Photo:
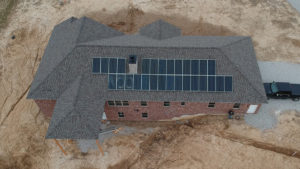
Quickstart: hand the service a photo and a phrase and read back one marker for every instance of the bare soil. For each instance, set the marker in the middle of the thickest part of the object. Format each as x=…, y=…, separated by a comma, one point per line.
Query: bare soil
x=204, y=142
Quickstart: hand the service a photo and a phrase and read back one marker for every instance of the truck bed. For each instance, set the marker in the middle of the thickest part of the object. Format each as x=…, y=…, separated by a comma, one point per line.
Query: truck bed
x=295, y=89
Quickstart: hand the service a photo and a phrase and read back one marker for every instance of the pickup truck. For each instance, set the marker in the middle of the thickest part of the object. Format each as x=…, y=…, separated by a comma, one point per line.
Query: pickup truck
x=282, y=90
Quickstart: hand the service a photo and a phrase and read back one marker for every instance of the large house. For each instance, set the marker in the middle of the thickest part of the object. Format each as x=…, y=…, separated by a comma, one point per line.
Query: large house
x=90, y=72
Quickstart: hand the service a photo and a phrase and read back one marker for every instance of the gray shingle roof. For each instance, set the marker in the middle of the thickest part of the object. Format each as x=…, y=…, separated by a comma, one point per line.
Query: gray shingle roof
x=65, y=73
x=160, y=30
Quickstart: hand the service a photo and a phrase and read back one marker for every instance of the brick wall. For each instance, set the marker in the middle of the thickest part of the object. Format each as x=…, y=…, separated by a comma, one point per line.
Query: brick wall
x=157, y=110
x=46, y=106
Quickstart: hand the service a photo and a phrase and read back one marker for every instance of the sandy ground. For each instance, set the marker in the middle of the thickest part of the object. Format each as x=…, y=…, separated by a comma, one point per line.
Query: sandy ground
x=212, y=142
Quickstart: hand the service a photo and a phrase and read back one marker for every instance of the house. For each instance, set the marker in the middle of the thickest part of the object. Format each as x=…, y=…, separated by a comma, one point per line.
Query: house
x=89, y=68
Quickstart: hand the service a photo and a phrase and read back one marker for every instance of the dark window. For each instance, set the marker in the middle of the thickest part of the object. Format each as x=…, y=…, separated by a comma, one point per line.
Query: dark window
x=211, y=67
x=153, y=82
x=220, y=83
x=211, y=104
x=186, y=67
x=178, y=82
x=203, y=67
x=112, y=82
x=195, y=83
x=154, y=66
x=112, y=65
x=162, y=82
x=120, y=81
x=144, y=115
x=96, y=65
x=170, y=83
x=182, y=103
x=104, y=65
x=121, y=114
x=203, y=83
x=178, y=66
x=125, y=103
x=186, y=83
x=162, y=67
x=195, y=67
x=211, y=83
x=145, y=82
x=111, y=103
x=170, y=66
x=129, y=82
x=137, y=82
x=166, y=103
x=121, y=66
x=228, y=83
x=118, y=103
x=145, y=66
x=236, y=105
x=143, y=103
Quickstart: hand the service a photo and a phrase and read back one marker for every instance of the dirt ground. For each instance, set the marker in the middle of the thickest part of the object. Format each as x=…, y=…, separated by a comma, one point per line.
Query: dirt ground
x=206, y=142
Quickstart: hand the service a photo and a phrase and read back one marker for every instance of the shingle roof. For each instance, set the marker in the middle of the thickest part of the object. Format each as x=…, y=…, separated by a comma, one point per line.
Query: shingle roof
x=65, y=73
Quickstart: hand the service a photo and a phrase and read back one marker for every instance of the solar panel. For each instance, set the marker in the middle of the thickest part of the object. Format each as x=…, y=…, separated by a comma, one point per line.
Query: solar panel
x=178, y=82
x=112, y=65
x=228, y=83
x=146, y=66
x=178, y=66
x=145, y=82
x=162, y=82
x=186, y=67
x=162, y=67
x=170, y=66
x=96, y=65
x=112, y=81
x=195, y=67
x=211, y=83
x=203, y=67
x=154, y=66
x=120, y=81
x=153, y=82
x=129, y=82
x=170, y=83
x=137, y=82
x=211, y=67
x=186, y=83
x=220, y=83
x=104, y=65
x=203, y=83
x=194, y=83
x=121, y=65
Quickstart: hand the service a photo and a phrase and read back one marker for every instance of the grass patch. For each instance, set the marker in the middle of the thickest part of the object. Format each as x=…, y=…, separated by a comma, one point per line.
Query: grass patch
x=6, y=7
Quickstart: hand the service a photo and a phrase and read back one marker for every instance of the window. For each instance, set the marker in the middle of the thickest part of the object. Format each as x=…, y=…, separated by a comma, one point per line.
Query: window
x=144, y=115
x=166, y=103
x=121, y=114
x=211, y=104
x=118, y=103
x=111, y=103
x=236, y=105
x=125, y=103
x=143, y=103
x=182, y=103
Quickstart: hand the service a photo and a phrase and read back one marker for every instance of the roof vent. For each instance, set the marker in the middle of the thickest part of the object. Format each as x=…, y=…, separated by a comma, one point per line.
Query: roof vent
x=132, y=64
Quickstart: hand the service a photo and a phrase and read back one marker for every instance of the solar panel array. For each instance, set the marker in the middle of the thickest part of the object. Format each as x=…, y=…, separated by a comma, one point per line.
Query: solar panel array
x=164, y=75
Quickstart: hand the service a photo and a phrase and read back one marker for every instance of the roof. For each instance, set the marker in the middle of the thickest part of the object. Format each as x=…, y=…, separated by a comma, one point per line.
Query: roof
x=65, y=73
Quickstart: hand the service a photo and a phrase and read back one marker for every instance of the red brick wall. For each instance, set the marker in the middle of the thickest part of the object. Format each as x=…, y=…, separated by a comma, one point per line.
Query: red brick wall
x=46, y=106
x=157, y=110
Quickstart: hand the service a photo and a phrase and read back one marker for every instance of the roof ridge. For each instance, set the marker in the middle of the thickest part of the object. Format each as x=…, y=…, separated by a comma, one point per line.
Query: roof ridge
x=244, y=38
x=239, y=71
x=54, y=70
x=80, y=29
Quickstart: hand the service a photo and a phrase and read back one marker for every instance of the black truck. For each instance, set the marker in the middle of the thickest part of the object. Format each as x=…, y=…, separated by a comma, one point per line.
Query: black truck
x=282, y=90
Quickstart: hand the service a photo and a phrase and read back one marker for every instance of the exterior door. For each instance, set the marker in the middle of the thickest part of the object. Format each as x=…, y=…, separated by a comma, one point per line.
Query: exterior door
x=252, y=108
